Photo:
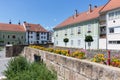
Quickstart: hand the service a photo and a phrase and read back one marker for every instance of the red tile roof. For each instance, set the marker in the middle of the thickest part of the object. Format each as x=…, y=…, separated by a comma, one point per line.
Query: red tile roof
x=85, y=16
x=11, y=27
x=112, y=4
x=35, y=27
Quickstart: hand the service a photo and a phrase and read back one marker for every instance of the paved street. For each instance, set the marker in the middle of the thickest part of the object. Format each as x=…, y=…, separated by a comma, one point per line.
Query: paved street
x=3, y=61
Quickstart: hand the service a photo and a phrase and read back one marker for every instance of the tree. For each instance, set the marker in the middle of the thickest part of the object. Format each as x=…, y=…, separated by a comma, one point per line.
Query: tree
x=89, y=39
x=65, y=40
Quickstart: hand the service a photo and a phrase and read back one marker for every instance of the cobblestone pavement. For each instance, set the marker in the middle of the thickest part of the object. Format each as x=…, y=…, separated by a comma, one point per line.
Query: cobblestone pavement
x=3, y=64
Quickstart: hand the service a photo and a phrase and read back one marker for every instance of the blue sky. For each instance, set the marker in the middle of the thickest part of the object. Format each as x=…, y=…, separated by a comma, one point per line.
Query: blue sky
x=48, y=13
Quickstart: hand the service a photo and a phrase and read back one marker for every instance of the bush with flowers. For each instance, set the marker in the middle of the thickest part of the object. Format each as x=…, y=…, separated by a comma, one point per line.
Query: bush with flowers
x=115, y=61
x=78, y=54
x=99, y=58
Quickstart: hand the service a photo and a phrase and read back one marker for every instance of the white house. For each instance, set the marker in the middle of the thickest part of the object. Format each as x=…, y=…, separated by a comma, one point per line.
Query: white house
x=112, y=11
x=35, y=33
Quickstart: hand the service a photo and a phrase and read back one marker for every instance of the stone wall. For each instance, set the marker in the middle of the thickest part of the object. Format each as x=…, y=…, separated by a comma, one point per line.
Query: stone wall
x=14, y=50
x=74, y=69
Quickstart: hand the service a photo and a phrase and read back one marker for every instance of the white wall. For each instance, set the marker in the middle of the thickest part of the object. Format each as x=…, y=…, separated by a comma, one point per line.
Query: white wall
x=102, y=43
x=113, y=23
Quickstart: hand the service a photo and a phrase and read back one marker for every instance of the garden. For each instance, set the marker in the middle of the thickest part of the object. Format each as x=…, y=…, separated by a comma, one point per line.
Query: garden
x=101, y=58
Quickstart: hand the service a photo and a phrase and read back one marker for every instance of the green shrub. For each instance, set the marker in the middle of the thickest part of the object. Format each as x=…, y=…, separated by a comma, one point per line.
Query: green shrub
x=20, y=69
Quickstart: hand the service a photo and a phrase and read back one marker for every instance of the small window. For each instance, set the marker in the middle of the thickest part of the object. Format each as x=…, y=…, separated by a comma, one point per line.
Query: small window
x=118, y=42
x=111, y=30
x=89, y=28
x=79, y=42
x=65, y=32
x=3, y=36
x=44, y=37
x=41, y=37
x=71, y=42
x=8, y=36
x=111, y=16
x=13, y=36
x=21, y=37
x=79, y=30
x=71, y=31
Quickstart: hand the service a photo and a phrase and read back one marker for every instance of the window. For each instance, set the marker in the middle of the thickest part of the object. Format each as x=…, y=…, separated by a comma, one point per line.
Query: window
x=79, y=42
x=8, y=36
x=56, y=34
x=44, y=37
x=117, y=30
x=71, y=31
x=31, y=36
x=71, y=42
x=65, y=32
x=114, y=42
x=117, y=14
x=3, y=36
x=111, y=30
x=79, y=30
x=41, y=37
x=13, y=36
x=21, y=37
x=89, y=28
x=111, y=16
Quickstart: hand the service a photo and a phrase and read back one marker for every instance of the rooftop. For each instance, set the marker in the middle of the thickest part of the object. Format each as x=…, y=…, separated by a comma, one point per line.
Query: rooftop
x=81, y=17
x=11, y=27
x=35, y=27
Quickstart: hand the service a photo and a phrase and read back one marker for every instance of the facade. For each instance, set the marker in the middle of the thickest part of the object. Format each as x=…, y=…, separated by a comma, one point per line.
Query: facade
x=76, y=27
x=112, y=14
x=35, y=33
x=102, y=23
x=12, y=34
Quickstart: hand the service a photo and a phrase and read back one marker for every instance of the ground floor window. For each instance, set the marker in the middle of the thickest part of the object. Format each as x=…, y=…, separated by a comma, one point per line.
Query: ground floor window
x=114, y=42
x=71, y=42
x=79, y=41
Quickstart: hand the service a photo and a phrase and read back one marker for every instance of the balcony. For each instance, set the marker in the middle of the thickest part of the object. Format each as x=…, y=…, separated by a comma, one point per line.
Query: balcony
x=103, y=32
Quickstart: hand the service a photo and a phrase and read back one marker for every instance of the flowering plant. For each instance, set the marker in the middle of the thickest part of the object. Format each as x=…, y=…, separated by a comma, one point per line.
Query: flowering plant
x=99, y=58
x=78, y=54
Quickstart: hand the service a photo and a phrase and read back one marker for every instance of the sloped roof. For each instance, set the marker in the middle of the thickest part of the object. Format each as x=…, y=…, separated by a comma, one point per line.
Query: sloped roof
x=85, y=16
x=112, y=4
x=11, y=27
x=35, y=27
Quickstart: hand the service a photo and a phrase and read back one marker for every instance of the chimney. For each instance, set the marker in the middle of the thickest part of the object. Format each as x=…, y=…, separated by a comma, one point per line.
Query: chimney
x=10, y=22
x=95, y=6
x=76, y=13
x=19, y=22
x=90, y=8
x=24, y=21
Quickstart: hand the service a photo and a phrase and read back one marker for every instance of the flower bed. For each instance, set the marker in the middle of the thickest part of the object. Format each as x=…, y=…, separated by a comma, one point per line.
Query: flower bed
x=81, y=54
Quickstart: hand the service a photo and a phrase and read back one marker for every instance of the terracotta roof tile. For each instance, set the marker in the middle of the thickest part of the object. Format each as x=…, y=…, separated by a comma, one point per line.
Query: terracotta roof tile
x=81, y=17
x=112, y=4
x=11, y=27
x=35, y=27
